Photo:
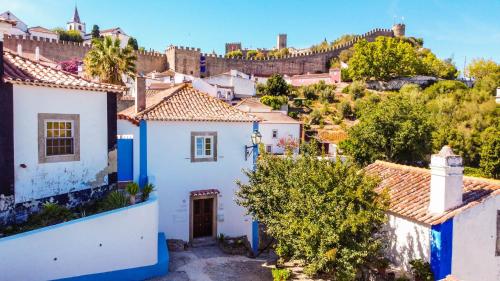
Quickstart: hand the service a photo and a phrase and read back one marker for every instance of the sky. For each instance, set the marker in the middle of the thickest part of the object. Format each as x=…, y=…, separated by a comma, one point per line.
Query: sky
x=459, y=29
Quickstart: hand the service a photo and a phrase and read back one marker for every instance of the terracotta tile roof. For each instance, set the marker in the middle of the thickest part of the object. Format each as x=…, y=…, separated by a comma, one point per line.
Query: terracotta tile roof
x=13, y=22
x=20, y=70
x=274, y=117
x=329, y=136
x=253, y=105
x=184, y=103
x=409, y=189
x=159, y=86
x=204, y=192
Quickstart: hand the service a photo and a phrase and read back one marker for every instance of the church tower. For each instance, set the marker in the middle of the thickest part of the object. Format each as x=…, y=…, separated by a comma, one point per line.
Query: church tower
x=76, y=24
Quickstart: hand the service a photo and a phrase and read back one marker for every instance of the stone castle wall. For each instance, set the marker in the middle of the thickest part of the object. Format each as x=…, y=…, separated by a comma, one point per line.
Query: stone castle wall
x=60, y=51
x=191, y=61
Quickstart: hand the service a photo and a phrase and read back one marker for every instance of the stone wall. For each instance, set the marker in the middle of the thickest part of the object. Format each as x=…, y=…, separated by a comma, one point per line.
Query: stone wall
x=60, y=51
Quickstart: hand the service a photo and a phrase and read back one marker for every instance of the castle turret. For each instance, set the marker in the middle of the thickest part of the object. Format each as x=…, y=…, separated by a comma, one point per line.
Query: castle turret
x=281, y=44
x=399, y=30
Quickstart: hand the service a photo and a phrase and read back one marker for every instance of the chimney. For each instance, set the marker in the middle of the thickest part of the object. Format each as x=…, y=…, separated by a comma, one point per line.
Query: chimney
x=446, y=181
x=140, y=93
x=37, y=53
x=20, y=49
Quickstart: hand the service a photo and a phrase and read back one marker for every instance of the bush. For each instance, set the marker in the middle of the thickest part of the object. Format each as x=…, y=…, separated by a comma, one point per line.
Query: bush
x=115, y=200
x=293, y=114
x=281, y=274
x=146, y=191
x=315, y=117
x=346, y=110
x=51, y=213
x=444, y=87
x=421, y=270
x=344, y=75
x=357, y=89
x=274, y=101
x=69, y=35
x=410, y=89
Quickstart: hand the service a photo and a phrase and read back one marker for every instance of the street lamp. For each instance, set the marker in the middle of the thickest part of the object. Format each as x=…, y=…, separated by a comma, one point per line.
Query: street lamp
x=256, y=139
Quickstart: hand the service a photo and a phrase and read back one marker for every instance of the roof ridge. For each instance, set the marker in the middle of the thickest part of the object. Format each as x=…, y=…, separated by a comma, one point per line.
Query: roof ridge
x=153, y=106
x=424, y=170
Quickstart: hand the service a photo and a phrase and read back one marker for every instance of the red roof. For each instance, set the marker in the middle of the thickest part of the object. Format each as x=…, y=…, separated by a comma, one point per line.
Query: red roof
x=409, y=191
x=20, y=70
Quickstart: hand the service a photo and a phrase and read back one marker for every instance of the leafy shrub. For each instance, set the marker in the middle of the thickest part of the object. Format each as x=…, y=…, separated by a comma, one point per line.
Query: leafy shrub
x=444, y=87
x=115, y=200
x=274, y=101
x=69, y=35
x=315, y=117
x=344, y=75
x=51, y=213
x=346, y=109
x=410, y=88
x=234, y=54
x=281, y=274
x=490, y=153
x=146, y=191
x=293, y=114
x=421, y=270
x=357, y=89
x=132, y=188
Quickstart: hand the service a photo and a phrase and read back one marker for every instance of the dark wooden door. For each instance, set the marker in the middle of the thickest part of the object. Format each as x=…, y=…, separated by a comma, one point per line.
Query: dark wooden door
x=202, y=217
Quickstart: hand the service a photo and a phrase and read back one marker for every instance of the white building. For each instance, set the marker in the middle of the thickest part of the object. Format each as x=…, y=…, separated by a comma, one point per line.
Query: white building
x=57, y=137
x=223, y=93
x=192, y=147
x=278, y=130
x=439, y=215
x=116, y=33
x=242, y=85
x=42, y=32
x=18, y=28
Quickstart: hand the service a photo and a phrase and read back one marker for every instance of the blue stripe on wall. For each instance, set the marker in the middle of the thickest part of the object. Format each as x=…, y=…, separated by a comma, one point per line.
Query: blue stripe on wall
x=143, y=152
x=125, y=160
x=441, y=249
x=255, y=224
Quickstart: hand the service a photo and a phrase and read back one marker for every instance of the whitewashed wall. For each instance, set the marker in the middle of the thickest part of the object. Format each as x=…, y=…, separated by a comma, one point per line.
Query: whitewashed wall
x=127, y=128
x=408, y=240
x=203, y=86
x=45, y=35
x=170, y=168
x=118, y=239
x=242, y=87
x=284, y=130
x=474, y=243
x=49, y=179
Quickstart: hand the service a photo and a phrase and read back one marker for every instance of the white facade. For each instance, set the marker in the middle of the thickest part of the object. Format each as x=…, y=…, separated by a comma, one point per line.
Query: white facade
x=20, y=27
x=117, y=33
x=226, y=94
x=51, y=36
x=115, y=240
x=475, y=234
x=40, y=180
x=170, y=169
x=243, y=87
x=273, y=132
x=408, y=240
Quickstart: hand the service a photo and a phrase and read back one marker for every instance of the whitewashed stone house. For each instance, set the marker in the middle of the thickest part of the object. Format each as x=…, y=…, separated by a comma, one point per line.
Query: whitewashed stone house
x=57, y=137
x=240, y=83
x=193, y=148
x=439, y=215
x=275, y=126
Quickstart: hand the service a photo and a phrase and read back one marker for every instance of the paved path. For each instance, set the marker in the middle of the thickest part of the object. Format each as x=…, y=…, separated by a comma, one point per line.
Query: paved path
x=211, y=264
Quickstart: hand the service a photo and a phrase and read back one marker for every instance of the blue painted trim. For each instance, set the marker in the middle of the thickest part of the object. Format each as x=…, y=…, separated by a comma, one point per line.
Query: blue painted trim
x=125, y=159
x=441, y=249
x=152, y=198
x=143, y=154
x=133, y=274
x=255, y=224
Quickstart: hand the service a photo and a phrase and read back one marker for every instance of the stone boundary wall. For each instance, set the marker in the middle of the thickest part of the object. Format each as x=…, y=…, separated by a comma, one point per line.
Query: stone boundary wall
x=58, y=51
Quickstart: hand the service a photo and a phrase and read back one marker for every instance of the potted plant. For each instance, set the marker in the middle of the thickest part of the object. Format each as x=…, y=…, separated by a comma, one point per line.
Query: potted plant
x=146, y=191
x=132, y=189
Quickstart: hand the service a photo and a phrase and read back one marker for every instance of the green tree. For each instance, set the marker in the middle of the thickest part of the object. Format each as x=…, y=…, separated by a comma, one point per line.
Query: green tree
x=96, y=33
x=109, y=62
x=396, y=129
x=69, y=35
x=490, y=153
x=432, y=66
x=274, y=101
x=132, y=42
x=277, y=86
x=383, y=59
x=234, y=54
x=480, y=68
x=324, y=213
x=251, y=53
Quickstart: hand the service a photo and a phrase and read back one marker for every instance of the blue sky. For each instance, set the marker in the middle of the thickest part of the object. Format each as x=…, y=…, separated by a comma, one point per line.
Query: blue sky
x=453, y=28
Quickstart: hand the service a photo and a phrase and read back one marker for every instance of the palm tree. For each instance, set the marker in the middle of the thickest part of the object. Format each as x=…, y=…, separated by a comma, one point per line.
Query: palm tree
x=108, y=61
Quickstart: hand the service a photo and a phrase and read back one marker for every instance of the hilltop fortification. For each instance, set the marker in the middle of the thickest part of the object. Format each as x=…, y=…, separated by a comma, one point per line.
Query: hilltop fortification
x=192, y=61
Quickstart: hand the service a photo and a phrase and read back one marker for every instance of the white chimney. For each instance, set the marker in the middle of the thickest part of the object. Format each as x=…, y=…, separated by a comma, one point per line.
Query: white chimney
x=37, y=53
x=140, y=93
x=446, y=181
x=20, y=49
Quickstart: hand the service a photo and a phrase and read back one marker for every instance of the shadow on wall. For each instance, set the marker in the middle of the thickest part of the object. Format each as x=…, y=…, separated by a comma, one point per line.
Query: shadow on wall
x=402, y=246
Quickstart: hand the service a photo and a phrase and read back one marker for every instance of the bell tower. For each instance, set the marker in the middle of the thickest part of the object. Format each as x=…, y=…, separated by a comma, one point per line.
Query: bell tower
x=76, y=24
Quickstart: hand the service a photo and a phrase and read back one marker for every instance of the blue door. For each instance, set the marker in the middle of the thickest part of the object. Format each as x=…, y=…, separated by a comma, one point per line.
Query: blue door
x=125, y=160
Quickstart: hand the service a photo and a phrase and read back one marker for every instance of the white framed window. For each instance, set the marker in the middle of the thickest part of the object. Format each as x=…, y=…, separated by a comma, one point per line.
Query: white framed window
x=275, y=134
x=58, y=137
x=203, y=146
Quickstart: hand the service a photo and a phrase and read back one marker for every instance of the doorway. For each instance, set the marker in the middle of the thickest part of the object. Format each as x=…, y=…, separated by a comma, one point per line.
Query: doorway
x=203, y=217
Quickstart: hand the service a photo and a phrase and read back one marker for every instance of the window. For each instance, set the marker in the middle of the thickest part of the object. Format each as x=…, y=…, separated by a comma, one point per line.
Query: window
x=58, y=137
x=269, y=148
x=203, y=146
x=275, y=134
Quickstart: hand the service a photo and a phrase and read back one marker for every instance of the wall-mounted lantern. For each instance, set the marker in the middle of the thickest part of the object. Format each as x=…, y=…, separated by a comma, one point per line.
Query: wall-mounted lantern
x=256, y=139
